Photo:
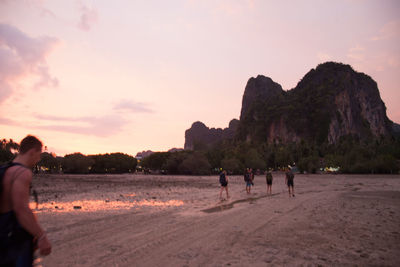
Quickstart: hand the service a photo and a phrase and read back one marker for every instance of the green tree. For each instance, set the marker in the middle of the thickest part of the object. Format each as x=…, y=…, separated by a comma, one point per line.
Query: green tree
x=195, y=164
x=385, y=164
x=113, y=163
x=156, y=160
x=232, y=165
x=309, y=164
x=283, y=156
x=254, y=160
x=174, y=161
x=77, y=163
x=49, y=163
x=215, y=156
x=8, y=150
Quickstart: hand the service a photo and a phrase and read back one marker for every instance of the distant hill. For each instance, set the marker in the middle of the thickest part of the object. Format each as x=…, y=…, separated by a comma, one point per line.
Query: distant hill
x=143, y=154
x=330, y=101
x=175, y=149
x=199, y=135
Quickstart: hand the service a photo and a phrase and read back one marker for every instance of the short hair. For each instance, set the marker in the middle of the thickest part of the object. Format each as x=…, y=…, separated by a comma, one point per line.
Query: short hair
x=28, y=143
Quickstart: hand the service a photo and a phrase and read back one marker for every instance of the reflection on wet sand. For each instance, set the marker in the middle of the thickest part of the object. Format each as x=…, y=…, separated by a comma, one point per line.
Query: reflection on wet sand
x=101, y=205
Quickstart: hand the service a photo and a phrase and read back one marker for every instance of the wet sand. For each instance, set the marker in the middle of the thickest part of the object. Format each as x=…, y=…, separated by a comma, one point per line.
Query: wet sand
x=138, y=220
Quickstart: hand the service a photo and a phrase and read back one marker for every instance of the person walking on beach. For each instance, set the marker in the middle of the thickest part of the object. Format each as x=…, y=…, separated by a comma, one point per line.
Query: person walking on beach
x=269, y=181
x=247, y=180
x=223, y=180
x=290, y=182
x=20, y=232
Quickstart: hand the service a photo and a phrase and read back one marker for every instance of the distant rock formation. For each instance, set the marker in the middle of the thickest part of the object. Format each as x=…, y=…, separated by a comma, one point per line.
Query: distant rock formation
x=257, y=89
x=143, y=154
x=396, y=129
x=200, y=136
x=175, y=150
x=330, y=102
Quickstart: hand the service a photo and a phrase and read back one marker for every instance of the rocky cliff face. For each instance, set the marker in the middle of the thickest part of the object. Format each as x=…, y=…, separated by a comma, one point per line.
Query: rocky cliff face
x=200, y=136
x=259, y=88
x=331, y=101
x=143, y=154
x=396, y=129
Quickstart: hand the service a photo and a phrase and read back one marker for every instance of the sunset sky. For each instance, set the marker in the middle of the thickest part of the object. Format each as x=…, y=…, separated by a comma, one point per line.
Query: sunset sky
x=125, y=76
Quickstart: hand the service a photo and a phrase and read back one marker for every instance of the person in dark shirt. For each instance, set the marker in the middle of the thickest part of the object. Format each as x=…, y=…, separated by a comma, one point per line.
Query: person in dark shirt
x=269, y=181
x=290, y=181
x=26, y=234
x=223, y=180
x=248, y=180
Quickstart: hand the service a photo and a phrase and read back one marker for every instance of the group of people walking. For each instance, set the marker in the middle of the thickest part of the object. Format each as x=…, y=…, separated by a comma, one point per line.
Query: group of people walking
x=249, y=181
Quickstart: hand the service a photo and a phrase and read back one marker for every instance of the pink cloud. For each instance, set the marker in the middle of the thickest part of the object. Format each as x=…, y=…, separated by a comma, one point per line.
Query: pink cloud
x=389, y=31
x=6, y=121
x=131, y=106
x=39, y=5
x=102, y=126
x=88, y=17
x=36, y=5
x=22, y=56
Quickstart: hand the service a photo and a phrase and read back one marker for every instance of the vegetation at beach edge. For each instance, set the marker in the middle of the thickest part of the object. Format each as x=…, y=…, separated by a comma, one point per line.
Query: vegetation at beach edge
x=75, y=163
x=350, y=154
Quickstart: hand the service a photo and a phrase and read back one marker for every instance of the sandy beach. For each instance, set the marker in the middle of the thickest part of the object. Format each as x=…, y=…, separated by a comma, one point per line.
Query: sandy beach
x=155, y=220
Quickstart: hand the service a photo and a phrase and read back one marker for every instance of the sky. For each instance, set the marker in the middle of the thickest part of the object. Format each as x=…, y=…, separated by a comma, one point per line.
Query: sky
x=126, y=76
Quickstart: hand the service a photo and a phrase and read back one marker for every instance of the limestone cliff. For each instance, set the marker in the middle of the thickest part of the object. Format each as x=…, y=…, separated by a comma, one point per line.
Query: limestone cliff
x=259, y=88
x=200, y=136
x=331, y=101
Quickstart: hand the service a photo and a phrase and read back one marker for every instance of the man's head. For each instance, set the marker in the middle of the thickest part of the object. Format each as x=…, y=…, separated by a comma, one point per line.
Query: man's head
x=31, y=149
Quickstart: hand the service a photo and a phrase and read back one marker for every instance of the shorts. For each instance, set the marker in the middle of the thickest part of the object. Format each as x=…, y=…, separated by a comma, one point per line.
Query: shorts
x=249, y=183
x=25, y=257
x=224, y=184
x=290, y=183
x=269, y=182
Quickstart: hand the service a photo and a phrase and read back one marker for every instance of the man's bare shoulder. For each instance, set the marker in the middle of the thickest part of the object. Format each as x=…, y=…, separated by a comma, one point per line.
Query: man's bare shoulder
x=20, y=174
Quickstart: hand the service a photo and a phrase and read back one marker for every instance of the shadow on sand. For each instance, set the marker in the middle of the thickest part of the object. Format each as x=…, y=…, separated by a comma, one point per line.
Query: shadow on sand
x=228, y=206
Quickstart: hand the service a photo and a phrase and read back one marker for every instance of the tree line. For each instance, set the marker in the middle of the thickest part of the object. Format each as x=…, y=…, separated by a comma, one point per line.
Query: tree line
x=350, y=154
x=75, y=163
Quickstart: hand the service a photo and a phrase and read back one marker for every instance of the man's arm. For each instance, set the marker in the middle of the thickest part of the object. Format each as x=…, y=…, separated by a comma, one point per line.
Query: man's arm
x=25, y=216
x=20, y=201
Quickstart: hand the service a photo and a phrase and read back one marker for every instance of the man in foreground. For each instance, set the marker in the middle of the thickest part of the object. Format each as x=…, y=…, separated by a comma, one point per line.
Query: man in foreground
x=19, y=228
